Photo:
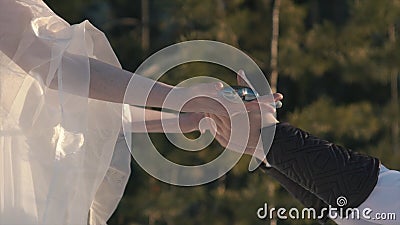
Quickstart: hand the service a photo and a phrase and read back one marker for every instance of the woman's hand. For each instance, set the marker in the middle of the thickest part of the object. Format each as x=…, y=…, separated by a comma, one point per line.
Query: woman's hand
x=262, y=116
x=206, y=98
x=257, y=120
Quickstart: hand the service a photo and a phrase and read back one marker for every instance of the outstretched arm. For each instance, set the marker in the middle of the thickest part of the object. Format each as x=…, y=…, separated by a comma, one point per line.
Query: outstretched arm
x=151, y=121
x=315, y=171
x=109, y=83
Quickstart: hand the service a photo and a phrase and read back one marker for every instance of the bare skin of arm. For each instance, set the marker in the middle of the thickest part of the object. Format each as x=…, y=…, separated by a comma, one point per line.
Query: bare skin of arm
x=152, y=121
x=109, y=83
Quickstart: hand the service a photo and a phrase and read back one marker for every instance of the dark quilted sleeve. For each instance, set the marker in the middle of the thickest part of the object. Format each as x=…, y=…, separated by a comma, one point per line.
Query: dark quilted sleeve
x=326, y=170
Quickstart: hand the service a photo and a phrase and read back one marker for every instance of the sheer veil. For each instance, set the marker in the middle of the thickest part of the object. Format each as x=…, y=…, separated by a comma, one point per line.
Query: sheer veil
x=62, y=160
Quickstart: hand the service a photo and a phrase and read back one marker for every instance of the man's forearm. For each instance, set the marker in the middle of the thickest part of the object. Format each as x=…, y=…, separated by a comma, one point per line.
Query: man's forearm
x=326, y=170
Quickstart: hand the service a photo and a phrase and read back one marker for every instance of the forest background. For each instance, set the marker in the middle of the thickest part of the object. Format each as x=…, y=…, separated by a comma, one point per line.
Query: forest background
x=336, y=62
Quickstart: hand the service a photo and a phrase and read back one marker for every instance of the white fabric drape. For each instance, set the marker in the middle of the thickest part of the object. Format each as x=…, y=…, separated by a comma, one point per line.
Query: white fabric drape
x=383, y=200
x=57, y=159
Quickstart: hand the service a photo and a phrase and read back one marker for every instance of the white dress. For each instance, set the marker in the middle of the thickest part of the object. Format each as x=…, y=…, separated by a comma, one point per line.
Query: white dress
x=61, y=161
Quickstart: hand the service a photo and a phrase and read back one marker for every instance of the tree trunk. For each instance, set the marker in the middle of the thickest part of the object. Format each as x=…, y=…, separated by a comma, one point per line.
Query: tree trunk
x=274, y=45
x=145, y=26
x=271, y=204
x=394, y=88
x=395, y=105
x=225, y=33
x=274, y=74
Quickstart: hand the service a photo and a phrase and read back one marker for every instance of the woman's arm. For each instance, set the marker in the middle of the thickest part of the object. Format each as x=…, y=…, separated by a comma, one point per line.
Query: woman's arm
x=152, y=121
x=110, y=83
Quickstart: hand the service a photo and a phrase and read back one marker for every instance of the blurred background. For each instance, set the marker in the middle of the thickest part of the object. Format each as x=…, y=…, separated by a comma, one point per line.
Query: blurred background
x=336, y=62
